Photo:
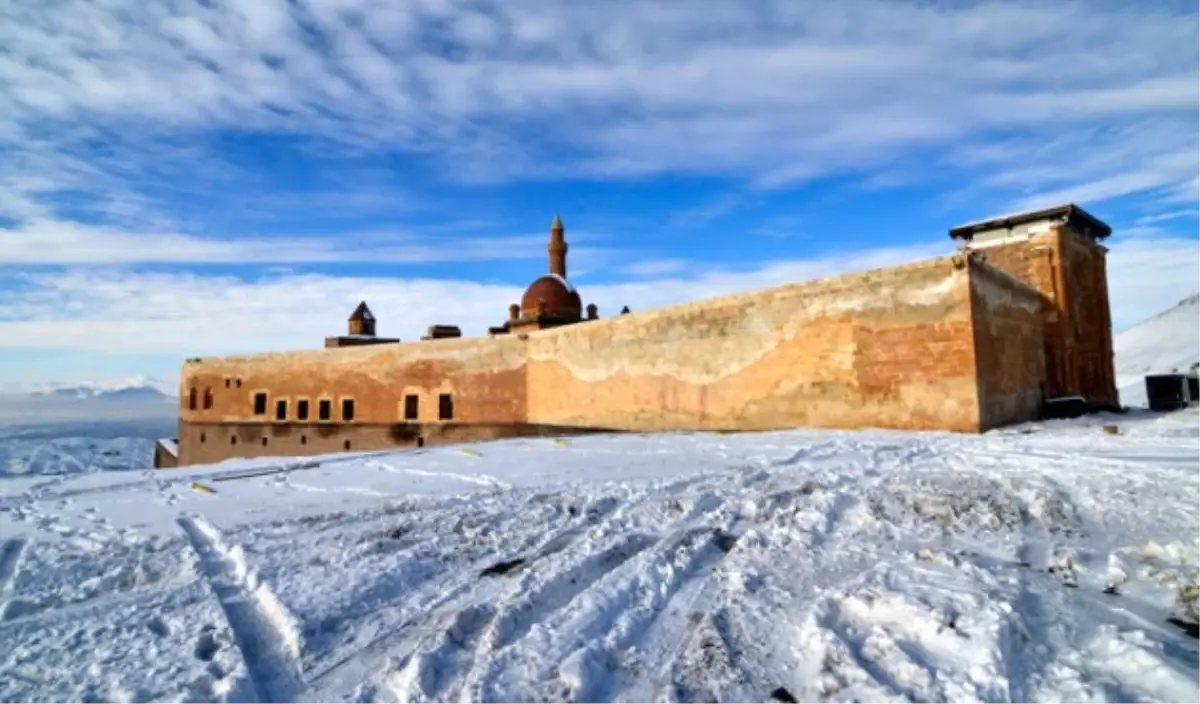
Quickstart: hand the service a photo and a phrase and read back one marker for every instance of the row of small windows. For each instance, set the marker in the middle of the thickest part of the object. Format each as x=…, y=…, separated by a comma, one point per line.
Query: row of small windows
x=325, y=408
x=303, y=440
x=412, y=406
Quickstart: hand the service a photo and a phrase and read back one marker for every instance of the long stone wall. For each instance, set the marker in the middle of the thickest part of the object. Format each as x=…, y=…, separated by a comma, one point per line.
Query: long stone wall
x=212, y=442
x=909, y=347
x=885, y=348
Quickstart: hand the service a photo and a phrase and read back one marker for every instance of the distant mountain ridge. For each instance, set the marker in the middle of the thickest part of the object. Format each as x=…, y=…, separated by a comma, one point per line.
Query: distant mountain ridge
x=128, y=393
x=132, y=389
x=1165, y=343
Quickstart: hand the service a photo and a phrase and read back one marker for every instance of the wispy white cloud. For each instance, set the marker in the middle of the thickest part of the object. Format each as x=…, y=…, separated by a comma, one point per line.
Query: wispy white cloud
x=1031, y=102
x=1170, y=215
x=40, y=241
x=655, y=267
x=773, y=92
x=126, y=311
x=130, y=312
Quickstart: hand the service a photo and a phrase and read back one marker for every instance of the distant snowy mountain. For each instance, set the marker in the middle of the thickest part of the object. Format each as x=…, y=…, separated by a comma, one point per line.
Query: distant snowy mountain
x=139, y=397
x=138, y=388
x=128, y=393
x=1168, y=342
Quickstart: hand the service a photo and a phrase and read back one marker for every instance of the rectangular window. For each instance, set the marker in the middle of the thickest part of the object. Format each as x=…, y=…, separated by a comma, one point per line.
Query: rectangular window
x=411, y=407
x=302, y=409
x=281, y=410
x=324, y=409
x=260, y=404
x=347, y=409
x=445, y=407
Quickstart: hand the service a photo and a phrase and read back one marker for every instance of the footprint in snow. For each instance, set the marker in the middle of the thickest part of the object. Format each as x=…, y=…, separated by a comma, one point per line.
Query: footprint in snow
x=159, y=626
x=207, y=646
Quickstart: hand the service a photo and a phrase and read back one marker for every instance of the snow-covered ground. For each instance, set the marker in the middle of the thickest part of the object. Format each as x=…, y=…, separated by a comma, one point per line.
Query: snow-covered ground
x=76, y=448
x=1168, y=342
x=1035, y=563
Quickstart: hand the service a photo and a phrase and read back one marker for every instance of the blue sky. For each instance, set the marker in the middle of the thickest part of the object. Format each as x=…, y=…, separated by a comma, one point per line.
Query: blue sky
x=187, y=178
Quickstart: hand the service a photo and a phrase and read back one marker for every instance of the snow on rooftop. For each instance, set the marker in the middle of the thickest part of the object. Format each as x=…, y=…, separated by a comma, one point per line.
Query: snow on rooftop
x=833, y=565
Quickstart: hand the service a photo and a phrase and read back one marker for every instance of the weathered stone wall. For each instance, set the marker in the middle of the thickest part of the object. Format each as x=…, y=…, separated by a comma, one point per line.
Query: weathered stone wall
x=1009, y=348
x=1088, y=325
x=1069, y=271
x=484, y=378
x=886, y=348
x=941, y=344
x=213, y=442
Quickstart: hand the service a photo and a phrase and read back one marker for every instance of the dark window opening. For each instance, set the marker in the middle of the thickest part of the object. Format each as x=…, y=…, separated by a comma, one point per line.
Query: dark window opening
x=346, y=444
x=201, y=437
x=232, y=439
x=303, y=439
x=348, y=409
x=264, y=442
x=238, y=383
x=324, y=409
x=445, y=407
x=208, y=398
x=411, y=407
x=281, y=410
x=302, y=409
x=420, y=442
x=260, y=404
x=192, y=399
x=228, y=382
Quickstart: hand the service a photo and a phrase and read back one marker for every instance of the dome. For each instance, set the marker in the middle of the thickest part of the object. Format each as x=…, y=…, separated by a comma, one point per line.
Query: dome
x=559, y=298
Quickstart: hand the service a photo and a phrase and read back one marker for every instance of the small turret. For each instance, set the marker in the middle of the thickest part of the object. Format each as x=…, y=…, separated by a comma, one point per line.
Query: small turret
x=592, y=311
x=361, y=330
x=362, y=322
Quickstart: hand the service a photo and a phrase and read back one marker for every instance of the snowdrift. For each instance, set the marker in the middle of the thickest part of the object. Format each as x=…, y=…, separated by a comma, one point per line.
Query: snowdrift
x=1036, y=563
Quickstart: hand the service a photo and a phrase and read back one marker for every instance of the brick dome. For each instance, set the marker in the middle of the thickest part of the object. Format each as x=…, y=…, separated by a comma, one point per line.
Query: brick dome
x=559, y=298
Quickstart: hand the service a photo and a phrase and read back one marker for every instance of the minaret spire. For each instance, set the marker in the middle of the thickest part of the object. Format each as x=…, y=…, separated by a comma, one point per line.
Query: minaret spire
x=558, y=248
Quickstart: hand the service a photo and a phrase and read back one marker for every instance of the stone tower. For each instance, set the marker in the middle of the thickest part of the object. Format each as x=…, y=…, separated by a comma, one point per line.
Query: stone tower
x=558, y=248
x=1058, y=252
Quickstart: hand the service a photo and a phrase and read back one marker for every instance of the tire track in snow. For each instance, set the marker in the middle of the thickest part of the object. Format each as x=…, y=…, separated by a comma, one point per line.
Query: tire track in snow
x=660, y=602
x=12, y=553
x=265, y=632
x=436, y=674
x=479, y=479
x=441, y=601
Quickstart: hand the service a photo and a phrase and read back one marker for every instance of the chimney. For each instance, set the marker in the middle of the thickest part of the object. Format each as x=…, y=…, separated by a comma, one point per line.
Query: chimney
x=514, y=312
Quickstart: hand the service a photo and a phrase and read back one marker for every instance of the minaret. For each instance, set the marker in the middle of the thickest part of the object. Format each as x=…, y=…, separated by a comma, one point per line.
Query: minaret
x=558, y=248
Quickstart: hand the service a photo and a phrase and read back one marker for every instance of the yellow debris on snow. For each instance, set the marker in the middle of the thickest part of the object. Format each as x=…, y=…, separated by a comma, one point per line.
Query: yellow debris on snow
x=197, y=486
